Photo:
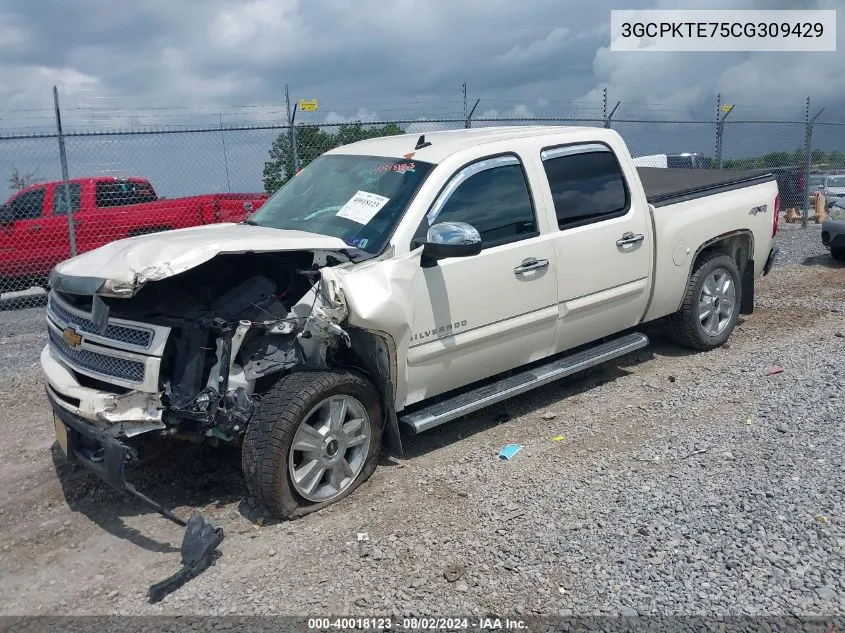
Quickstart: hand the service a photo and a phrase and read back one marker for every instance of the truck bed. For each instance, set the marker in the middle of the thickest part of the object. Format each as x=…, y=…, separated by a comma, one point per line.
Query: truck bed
x=670, y=186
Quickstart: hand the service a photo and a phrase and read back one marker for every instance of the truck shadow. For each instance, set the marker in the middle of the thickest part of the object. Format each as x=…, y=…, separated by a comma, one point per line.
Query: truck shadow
x=825, y=260
x=543, y=397
x=183, y=478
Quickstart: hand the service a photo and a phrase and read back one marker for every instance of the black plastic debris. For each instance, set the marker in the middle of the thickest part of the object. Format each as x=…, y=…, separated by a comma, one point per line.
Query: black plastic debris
x=199, y=551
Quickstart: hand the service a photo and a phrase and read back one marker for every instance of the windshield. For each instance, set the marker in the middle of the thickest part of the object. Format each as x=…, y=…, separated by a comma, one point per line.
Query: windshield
x=835, y=181
x=359, y=199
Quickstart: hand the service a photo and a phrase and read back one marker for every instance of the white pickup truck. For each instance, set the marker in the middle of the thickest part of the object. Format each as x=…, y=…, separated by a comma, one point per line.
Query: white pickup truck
x=395, y=282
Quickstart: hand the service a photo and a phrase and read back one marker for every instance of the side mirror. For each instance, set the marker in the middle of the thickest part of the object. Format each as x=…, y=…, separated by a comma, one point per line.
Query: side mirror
x=450, y=239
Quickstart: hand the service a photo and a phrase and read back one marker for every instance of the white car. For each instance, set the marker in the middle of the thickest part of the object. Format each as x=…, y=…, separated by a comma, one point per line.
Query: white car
x=398, y=282
x=834, y=188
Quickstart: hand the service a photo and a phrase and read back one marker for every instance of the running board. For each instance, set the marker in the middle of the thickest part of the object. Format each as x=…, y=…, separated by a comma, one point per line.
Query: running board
x=491, y=393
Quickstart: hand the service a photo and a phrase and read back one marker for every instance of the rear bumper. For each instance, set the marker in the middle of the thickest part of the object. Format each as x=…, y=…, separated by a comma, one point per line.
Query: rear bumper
x=833, y=234
x=770, y=260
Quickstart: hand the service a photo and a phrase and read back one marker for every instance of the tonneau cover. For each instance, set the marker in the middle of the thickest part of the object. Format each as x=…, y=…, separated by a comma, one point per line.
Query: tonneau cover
x=665, y=186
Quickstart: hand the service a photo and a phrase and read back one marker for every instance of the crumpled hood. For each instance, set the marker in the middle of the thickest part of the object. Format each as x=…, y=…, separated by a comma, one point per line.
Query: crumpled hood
x=138, y=260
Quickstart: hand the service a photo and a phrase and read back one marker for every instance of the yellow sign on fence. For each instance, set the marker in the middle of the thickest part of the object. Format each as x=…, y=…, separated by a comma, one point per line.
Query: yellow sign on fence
x=307, y=106
x=725, y=108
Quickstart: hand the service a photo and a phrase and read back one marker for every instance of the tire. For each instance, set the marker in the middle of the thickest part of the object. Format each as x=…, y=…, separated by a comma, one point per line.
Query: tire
x=838, y=254
x=270, y=460
x=685, y=327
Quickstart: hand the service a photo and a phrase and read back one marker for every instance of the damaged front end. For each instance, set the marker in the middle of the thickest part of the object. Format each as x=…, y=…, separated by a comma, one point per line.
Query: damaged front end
x=185, y=356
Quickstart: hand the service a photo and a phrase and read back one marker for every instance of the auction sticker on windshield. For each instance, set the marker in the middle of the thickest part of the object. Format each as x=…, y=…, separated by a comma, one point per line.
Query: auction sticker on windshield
x=362, y=207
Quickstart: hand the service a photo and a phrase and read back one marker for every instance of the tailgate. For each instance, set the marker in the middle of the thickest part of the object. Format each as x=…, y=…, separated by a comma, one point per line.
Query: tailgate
x=232, y=207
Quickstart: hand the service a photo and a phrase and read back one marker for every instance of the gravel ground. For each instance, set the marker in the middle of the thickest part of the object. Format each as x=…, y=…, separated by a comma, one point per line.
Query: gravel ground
x=684, y=483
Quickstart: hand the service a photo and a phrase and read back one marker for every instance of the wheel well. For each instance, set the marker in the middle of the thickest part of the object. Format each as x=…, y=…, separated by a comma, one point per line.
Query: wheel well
x=738, y=246
x=373, y=354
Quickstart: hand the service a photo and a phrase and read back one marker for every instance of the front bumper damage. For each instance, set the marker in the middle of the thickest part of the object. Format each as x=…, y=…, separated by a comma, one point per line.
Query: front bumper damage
x=348, y=316
x=107, y=457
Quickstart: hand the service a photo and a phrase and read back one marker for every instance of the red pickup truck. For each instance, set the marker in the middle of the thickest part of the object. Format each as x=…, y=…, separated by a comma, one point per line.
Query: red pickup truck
x=34, y=225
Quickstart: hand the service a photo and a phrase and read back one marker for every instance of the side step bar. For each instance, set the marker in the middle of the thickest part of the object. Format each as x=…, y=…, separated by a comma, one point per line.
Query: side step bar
x=491, y=393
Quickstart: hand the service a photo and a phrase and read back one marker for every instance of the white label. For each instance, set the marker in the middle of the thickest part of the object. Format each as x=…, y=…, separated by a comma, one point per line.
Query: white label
x=723, y=30
x=362, y=207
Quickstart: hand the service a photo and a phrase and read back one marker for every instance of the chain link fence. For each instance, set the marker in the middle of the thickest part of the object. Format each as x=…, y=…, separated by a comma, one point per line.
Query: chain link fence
x=131, y=181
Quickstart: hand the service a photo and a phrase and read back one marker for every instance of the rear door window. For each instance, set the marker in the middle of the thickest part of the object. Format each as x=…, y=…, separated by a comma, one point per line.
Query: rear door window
x=122, y=193
x=586, y=183
x=60, y=201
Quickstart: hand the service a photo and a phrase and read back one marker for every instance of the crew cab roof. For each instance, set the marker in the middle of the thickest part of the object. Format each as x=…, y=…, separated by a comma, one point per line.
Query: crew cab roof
x=448, y=142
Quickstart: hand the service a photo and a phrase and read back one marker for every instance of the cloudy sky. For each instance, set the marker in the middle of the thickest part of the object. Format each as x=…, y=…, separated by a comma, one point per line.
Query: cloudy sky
x=170, y=62
x=378, y=55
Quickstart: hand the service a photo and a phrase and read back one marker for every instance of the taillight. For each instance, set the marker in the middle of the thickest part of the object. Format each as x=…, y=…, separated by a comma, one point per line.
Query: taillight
x=777, y=215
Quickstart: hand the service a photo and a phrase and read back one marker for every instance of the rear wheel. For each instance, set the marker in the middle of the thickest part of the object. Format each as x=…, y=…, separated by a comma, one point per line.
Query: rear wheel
x=314, y=438
x=711, y=304
x=838, y=254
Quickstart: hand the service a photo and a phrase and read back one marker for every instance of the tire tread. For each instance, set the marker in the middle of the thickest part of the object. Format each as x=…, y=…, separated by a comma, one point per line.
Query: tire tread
x=271, y=430
x=681, y=326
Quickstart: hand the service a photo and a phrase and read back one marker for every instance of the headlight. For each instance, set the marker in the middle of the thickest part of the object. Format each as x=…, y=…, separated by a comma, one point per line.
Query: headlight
x=112, y=288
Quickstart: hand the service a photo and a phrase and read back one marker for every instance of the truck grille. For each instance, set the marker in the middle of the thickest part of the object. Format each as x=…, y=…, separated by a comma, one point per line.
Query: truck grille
x=122, y=368
x=122, y=334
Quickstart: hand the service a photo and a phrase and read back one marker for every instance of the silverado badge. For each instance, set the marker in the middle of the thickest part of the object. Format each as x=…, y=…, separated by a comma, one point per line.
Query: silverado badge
x=71, y=337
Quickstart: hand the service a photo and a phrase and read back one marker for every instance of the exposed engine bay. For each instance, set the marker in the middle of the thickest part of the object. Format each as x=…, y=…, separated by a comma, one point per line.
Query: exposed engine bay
x=236, y=321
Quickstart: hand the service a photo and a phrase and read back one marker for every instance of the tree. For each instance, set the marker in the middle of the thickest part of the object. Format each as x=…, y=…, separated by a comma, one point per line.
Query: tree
x=19, y=181
x=311, y=141
x=818, y=156
x=836, y=159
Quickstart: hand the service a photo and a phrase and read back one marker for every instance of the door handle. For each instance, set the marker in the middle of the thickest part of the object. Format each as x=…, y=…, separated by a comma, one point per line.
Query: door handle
x=630, y=238
x=35, y=228
x=532, y=263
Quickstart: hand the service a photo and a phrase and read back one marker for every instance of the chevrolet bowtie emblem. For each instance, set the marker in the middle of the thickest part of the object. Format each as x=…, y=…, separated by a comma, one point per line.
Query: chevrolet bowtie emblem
x=71, y=337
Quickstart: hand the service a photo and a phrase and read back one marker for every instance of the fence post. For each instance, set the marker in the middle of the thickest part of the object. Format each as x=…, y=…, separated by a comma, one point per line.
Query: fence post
x=610, y=116
x=71, y=229
x=465, y=102
x=468, y=122
x=292, y=133
x=808, y=160
x=225, y=156
x=604, y=104
x=720, y=128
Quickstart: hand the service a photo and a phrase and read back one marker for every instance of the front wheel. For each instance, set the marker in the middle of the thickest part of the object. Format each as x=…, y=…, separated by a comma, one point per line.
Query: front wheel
x=710, y=306
x=314, y=438
x=838, y=254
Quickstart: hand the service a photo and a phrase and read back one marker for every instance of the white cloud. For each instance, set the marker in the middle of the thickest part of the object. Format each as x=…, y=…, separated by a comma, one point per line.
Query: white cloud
x=520, y=111
x=363, y=115
x=537, y=50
